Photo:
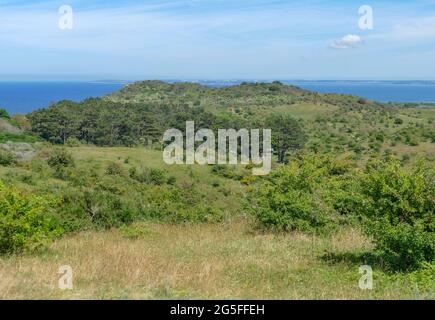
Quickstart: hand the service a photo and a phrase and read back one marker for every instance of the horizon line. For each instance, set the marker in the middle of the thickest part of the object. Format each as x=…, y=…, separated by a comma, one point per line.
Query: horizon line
x=191, y=80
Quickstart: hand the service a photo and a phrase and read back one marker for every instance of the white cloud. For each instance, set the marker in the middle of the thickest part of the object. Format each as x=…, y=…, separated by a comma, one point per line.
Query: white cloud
x=349, y=41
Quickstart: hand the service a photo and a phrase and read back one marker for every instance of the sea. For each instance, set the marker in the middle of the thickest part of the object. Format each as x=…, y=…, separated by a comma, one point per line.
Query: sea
x=24, y=97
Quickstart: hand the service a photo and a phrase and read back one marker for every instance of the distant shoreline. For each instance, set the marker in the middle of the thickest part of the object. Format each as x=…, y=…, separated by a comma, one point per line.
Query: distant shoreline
x=26, y=96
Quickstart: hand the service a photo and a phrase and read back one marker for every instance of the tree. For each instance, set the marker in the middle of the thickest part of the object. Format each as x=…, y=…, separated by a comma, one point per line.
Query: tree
x=287, y=134
x=4, y=113
x=56, y=123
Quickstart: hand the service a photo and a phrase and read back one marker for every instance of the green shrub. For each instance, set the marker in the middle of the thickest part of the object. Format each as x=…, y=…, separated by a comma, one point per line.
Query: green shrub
x=114, y=169
x=25, y=221
x=412, y=141
x=151, y=176
x=424, y=278
x=171, y=180
x=7, y=158
x=157, y=176
x=60, y=158
x=178, y=205
x=107, y=210
x=17, y=137
x=398, y=121
x=4, y=113
x=73, y=142
x=399, y=209
x=290, y=199
x=94, y=209
x=134, y=231
x=61, y=161
x=343, y=194
x=226, y=171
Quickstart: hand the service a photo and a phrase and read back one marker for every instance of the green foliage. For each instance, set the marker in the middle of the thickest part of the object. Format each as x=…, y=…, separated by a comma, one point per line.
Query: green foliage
x=396, y=204
x=176, y=205
x=171, y=180
x=114, y=169
x=4, y=114
x=151, y=176
x=134, y=231
x=399, y=206
x=107, y=210
x=7, y=158
x=62, y=162
x=425, y=277
x=226, y=171
x=140, y=113
x=398, y=121
x=313, y=193
x=94, y=208
x=25, y=221
x=287, y=134
x=290, y=199
x=6, y=136
x=90, y=200
x=60, y=158
x=73, y=142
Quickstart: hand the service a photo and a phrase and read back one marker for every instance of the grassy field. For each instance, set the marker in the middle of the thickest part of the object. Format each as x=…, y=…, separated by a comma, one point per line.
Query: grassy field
x=132, y=227
x=219, y=261
x=224, y=260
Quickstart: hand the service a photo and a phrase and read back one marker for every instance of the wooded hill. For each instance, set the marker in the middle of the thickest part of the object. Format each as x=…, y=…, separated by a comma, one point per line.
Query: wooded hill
x=142, y=111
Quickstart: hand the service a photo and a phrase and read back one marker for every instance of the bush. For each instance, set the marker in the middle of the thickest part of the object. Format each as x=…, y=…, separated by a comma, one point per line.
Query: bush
x=14, y=137
x=4, y=114
x=290, y=199
x=114, y=169
x=398, y=121
x=25, y=221
x=60, y=158
x=94, y=209
x=171, y=180
x=399, y=211
x=134, y=231
x=157, y=177
x=343, y=194
x=226, y=171
x=7, y=158
x=178, y=205
x=61, y=161
x=73, y=142
x=151, y=176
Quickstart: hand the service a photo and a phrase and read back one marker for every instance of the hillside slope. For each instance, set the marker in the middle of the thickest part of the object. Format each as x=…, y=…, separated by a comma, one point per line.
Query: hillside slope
x=6, y=127
x=141, y=112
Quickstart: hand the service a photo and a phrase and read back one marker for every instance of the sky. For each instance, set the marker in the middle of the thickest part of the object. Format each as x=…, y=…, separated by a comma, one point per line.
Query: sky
x=217, y=39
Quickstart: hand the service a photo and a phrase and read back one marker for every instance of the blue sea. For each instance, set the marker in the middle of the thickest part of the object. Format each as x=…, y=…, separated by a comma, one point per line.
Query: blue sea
x=382, y=91
x=23, y=97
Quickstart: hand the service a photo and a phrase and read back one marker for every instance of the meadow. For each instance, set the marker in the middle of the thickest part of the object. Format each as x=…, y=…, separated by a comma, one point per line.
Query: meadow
x=205, y=261
x=86, y=186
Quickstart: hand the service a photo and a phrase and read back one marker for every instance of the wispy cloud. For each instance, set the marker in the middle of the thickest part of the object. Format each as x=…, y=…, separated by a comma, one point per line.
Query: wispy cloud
x=213, y=38
x=347, y=42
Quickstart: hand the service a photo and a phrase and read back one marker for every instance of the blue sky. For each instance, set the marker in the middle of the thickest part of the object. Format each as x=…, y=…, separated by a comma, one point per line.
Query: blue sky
x=217, y=39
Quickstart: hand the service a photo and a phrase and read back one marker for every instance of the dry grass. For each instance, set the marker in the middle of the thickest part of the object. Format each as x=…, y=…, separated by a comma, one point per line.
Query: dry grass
x=197, y=261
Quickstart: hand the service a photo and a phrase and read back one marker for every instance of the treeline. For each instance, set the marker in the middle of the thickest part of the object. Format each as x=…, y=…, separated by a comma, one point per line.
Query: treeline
x=107, y=123
x=141, y=112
